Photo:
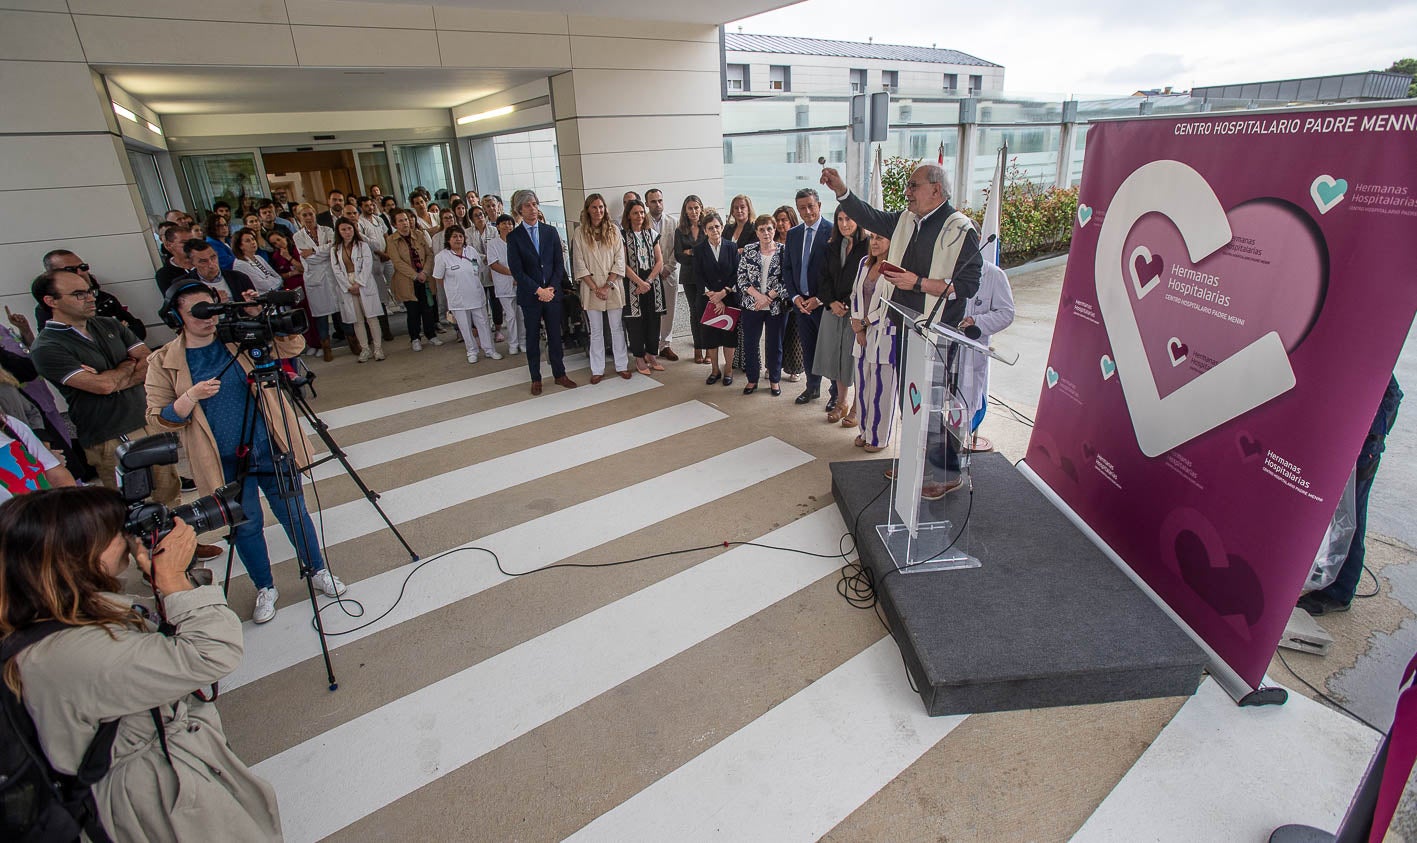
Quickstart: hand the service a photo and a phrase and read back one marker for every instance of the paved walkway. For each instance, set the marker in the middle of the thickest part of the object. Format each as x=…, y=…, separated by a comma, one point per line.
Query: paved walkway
x=723, y=692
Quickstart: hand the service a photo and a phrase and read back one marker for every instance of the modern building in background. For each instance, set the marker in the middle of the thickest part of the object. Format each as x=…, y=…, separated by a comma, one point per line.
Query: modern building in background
x=115, y=110
x=1347, y=87
x=776, y=64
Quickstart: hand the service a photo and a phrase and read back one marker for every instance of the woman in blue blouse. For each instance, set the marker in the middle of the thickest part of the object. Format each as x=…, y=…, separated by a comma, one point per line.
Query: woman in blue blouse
x=761, y=292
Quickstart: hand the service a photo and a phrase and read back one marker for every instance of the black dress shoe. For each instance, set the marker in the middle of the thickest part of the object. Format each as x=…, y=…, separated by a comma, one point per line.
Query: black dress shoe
x=776, y=391
x=807, y=396
x=831, y=405
x=712, y=379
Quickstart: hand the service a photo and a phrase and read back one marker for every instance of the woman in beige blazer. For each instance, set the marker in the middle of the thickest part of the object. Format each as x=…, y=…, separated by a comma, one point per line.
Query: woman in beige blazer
x=62, y=553
x=598, y=262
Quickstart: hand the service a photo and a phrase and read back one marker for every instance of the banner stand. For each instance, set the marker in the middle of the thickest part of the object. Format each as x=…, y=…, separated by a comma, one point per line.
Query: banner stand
x=1225, y=676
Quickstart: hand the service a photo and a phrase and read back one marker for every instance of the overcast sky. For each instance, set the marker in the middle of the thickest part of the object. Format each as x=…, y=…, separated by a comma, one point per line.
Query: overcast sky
x=1118, y=46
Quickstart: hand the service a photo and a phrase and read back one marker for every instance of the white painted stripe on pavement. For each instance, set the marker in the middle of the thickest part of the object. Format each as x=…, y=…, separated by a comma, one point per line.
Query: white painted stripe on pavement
x=419, y=399
x=289, y=639
x=419, y=439
x=1200, y=778
x=441, y=727
x=434, y=494
x=797, y=771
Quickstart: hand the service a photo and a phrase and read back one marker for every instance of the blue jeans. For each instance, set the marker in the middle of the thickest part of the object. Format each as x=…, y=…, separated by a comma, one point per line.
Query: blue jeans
x=754, y=321
x=249, y=538
x=1343, y=588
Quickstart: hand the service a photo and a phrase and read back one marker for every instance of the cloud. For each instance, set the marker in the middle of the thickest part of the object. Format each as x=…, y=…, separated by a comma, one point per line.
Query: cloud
x=1147, y=71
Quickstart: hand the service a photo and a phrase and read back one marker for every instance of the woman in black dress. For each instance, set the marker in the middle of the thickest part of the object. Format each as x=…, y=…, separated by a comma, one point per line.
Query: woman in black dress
x=716, y=271
x=687, y=235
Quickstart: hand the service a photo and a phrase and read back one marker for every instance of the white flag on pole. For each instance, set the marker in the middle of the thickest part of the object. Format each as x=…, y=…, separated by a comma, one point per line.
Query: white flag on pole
x=993, y=209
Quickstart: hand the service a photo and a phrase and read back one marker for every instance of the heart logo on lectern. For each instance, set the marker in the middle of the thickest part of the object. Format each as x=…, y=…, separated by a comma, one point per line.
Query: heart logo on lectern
x=914, y=399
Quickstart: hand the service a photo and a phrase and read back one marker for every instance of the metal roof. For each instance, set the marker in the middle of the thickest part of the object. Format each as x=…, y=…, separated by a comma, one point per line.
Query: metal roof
x=789, y=45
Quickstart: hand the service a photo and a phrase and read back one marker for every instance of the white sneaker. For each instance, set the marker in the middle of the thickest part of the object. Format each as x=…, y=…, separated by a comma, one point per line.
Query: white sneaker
x=494, y=355
x=312, y=351
x=417, y=346
x=472, y=358
x=514, y=350
x=435, y=341
x=365, y=356
x=379, y=355
x=265, y=604
x=328, y=583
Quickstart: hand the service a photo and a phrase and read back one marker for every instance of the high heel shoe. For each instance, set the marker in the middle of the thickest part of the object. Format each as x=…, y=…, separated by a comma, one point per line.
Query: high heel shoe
x=775, y=390
x=712, y=379
x=750, y=389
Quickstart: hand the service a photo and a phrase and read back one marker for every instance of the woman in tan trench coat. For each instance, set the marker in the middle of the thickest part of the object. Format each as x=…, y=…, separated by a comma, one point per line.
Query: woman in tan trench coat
x=62, y=551
x=195, y=389
x=598, y=263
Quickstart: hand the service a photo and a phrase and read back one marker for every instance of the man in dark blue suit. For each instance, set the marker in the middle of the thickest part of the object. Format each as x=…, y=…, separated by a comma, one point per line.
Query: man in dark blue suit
x=534, y=256
x=802, y=261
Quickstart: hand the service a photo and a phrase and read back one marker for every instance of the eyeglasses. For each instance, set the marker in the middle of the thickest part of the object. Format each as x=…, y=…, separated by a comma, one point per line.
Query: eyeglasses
x=78, y=267
x=79, y=295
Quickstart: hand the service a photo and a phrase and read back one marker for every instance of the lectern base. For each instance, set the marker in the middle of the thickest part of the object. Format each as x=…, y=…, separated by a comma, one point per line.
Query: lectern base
x=930, y=550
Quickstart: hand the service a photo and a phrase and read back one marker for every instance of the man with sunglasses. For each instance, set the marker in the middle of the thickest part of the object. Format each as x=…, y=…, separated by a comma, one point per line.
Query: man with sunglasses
x=105, y=303
x=99, y=366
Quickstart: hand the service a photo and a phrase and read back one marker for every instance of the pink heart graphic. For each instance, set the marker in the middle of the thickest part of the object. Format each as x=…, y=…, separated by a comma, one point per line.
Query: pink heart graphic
x=1250, y=447
x=1148, y=269
x=1178, y=350
x=1271, y=277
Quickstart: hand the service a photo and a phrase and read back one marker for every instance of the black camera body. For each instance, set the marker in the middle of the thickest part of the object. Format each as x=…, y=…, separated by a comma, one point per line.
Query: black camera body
x=149, y=521
x=278, y=317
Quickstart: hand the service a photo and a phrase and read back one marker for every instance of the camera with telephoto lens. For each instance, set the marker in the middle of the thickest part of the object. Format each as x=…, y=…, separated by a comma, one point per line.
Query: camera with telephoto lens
x=278, y=317
x=148, y=521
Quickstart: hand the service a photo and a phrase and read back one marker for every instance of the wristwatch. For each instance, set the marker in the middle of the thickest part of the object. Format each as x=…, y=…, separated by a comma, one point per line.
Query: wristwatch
x=919, y=284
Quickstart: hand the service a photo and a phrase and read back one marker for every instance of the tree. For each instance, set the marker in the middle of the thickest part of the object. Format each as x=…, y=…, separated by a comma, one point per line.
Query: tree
x=1409, y=67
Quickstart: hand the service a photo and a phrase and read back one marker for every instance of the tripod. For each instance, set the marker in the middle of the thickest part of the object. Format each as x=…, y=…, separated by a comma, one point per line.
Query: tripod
x=266, y=373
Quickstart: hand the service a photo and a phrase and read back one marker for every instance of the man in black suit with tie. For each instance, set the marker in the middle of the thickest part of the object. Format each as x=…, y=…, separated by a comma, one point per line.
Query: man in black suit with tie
x=802, y=261
x=534, y=256
x=928, y=210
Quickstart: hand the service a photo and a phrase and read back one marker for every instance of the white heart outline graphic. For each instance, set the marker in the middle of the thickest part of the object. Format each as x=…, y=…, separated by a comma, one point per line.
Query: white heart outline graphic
x=1084, y=220
x=1326, y=180
x=1248, y=378
x=1106, y=375
x=1170, y=344
x=1051, y=377
x=1142, y=289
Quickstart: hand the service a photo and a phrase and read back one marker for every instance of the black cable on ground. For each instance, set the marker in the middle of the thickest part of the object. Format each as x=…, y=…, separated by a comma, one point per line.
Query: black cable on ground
x=1325, y=697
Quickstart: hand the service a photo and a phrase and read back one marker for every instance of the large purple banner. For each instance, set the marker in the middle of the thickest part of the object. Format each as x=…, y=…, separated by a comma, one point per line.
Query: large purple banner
x=1237, y=293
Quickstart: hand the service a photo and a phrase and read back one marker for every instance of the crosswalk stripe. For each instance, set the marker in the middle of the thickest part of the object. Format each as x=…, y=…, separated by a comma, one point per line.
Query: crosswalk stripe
x=288, y=638
x=1200, y=778
x=358, y=518
x=419, y=399
x=795, y=772
x=462, y=428
x=450, y=723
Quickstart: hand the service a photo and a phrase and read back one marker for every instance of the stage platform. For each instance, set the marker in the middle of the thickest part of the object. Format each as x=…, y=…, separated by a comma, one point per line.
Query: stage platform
x=1047, y=620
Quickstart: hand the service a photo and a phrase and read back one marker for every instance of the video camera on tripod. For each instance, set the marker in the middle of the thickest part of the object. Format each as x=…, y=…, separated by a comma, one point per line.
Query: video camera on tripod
x=149, y=521
x=253, y=333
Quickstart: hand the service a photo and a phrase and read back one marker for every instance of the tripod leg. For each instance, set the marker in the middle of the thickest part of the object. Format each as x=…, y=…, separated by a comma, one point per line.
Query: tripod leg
x=322, y=430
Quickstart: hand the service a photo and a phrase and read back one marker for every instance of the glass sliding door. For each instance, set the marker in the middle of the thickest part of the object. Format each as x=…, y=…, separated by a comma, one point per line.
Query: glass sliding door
x=231, y=176
x=374, y=169
x=426, y=165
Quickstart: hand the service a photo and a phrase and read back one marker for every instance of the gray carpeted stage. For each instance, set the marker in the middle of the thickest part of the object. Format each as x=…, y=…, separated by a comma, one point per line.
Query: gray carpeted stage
x=1047, y=620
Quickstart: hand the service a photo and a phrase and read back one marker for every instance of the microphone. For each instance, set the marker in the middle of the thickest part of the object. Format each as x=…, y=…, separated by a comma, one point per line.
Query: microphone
x=972, y=332
x=941, y=300
x=207, y=309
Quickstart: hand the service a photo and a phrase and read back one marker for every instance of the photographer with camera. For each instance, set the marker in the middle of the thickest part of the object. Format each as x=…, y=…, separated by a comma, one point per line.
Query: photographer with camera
x=90, y=668
x=199, y=387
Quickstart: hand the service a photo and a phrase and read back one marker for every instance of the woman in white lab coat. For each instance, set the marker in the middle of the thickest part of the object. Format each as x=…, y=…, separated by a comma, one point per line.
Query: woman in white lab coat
x=314, y=242
x=991, y=311
x=458, y=269
x=353, y=263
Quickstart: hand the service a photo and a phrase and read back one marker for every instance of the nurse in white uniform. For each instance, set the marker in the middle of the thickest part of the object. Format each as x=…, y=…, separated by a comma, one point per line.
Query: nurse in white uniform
x=459, y=267
x=353, y=263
